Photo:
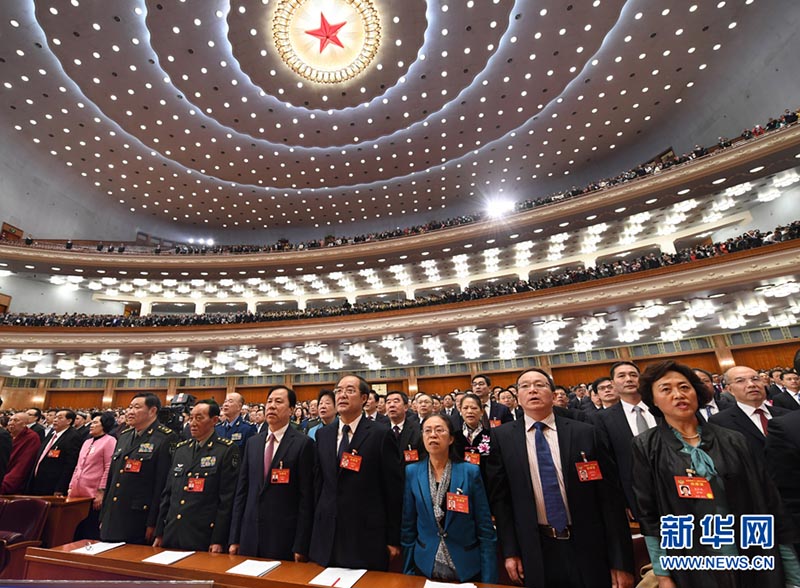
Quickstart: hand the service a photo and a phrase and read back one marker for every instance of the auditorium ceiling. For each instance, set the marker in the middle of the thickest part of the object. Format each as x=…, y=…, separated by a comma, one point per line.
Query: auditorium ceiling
x=254, y=114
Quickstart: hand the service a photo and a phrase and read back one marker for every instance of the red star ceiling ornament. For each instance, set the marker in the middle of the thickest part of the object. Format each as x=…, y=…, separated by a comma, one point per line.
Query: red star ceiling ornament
x=327, y=33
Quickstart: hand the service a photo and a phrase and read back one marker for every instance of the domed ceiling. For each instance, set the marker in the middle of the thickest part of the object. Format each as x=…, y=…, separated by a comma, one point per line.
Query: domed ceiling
x=254, y=114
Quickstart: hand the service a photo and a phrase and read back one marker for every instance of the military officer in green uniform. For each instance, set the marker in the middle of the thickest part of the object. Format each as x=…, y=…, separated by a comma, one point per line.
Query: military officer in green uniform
x=139, y=467
x=197, y=503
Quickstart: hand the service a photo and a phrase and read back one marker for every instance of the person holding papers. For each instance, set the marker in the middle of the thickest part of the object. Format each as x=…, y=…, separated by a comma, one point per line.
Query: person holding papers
x=447, y=531
x=197, y=502
x=274, y=505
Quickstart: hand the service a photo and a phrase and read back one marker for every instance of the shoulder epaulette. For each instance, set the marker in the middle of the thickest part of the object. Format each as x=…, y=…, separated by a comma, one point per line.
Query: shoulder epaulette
x=128, y=430
x=184, y=442
x=164, y=429
x=224, y=440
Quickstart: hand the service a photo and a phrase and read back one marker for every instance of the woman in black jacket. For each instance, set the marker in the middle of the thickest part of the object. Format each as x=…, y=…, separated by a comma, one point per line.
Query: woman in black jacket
x=685, y=466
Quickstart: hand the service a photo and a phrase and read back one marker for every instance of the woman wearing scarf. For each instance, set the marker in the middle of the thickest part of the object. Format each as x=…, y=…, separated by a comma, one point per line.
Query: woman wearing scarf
x=447, y=532
x=686, y=466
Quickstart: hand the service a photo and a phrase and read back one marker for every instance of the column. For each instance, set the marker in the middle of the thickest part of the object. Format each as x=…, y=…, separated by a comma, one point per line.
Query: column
x=251, y=306
x=723, y=352
x=146, y=307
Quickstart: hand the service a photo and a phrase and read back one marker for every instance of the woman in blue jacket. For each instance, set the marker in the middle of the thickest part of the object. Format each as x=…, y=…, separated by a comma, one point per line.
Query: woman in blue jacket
x=447, y=532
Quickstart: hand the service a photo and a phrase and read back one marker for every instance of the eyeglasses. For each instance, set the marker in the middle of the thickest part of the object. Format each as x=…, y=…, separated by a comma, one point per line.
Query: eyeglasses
x=438, y=430
x=349, y=390
x=538, y=386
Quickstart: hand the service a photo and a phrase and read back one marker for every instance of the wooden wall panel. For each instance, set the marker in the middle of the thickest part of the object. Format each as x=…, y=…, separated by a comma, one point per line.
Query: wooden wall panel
x=571, y=375
x=705, y=360
x=308, y=392
x=20, y=398
x=217, y=393
x=765, y=357
x=122, y=398
x=75, y=399
x=443, y=384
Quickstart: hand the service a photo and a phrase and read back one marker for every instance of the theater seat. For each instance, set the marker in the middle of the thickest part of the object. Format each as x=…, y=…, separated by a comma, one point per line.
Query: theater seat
x=21, y=524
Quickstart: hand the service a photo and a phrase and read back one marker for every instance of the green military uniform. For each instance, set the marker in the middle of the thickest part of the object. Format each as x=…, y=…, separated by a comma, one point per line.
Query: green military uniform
x=198, y=498
x=138, y=472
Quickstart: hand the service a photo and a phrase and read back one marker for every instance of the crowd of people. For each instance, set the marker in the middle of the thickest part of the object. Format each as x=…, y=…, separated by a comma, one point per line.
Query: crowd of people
x=552, y=477
x=667, y=161
x=748, y=240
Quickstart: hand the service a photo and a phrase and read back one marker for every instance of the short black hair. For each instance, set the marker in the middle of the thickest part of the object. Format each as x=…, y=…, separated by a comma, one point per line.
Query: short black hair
x=544, y=373
x=363, y=386
x=375, y=396
x=617, y=364
x=150, y=399
x=484, y=376
x=656, y=371
x=403, y=396
x=213, y=407
x=475, y=397
x=784, y=372
x=599, y=381
x=37, y=411
x=453, y=453
x=69, y=414
x=291, y=394
x=326, y=392
x=107, y=420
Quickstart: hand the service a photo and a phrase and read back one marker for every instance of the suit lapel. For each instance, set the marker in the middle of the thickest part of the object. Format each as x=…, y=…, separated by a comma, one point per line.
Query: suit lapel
x=520, y=453
x=425, y=489
x=563, y=432
x=622, y=420
x=747, y=426
x=283, y=448
x=257, y=454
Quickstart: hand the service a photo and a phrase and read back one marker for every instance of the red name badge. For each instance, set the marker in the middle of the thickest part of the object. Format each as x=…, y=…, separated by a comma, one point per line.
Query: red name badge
x=473, y=458
x=133, y=466
x=410, y=455
x=54, y=453
x=458, y=502
x=195, y=484
x=589, y=471
x=495, y=423
x=693, y=487
x=279, y=476
x=350, y=461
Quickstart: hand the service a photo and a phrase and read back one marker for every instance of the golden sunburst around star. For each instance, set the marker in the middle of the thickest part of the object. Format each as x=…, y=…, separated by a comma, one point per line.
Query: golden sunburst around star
x=339, y=62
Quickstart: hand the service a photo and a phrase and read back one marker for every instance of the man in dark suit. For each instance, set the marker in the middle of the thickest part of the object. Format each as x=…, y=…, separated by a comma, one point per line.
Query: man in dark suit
x=371, y=409
x=197, y=502
x=548, y=517
x=406, y=432
x=790, y=397
x=717, y=402
x=751, y=413
x=508, y=399
x=34, y=422
x=57, y=458
x=274, y=509
x=82, y=423
x=776, y=386
x=139, y=469
x=782, y=451
x=620, y=423
x=358, y=487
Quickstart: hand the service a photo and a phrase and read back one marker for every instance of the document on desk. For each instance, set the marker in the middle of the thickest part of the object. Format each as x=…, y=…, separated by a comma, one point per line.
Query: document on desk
x=432, y=584
x=338, y=577
x=253, y=567
x=99, y=547
x=167, y=557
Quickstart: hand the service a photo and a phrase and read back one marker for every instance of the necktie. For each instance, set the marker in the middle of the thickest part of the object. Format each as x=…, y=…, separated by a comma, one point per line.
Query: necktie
x=44, y=453
x=344, y=446
x=268, y=451
x=708, y=412
x=763, y=418
x=641, y=423
x=553, y=503
x=396, y=431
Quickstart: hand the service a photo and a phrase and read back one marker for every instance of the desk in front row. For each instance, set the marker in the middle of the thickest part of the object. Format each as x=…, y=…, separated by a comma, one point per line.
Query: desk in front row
x=125, y=563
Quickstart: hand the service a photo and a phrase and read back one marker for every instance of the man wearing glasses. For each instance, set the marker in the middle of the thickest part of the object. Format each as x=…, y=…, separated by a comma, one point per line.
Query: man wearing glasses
x=751, y=414
x=358, y=486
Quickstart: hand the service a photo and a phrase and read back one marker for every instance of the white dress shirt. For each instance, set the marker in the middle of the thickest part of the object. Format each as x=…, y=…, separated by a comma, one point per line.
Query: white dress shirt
x=751, y=413
x=551, y=436
x=630, y=415
x=712, y=404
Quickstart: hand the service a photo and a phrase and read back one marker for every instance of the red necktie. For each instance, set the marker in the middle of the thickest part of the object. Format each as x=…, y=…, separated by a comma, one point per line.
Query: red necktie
x=764, y=421
x=268, y=455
